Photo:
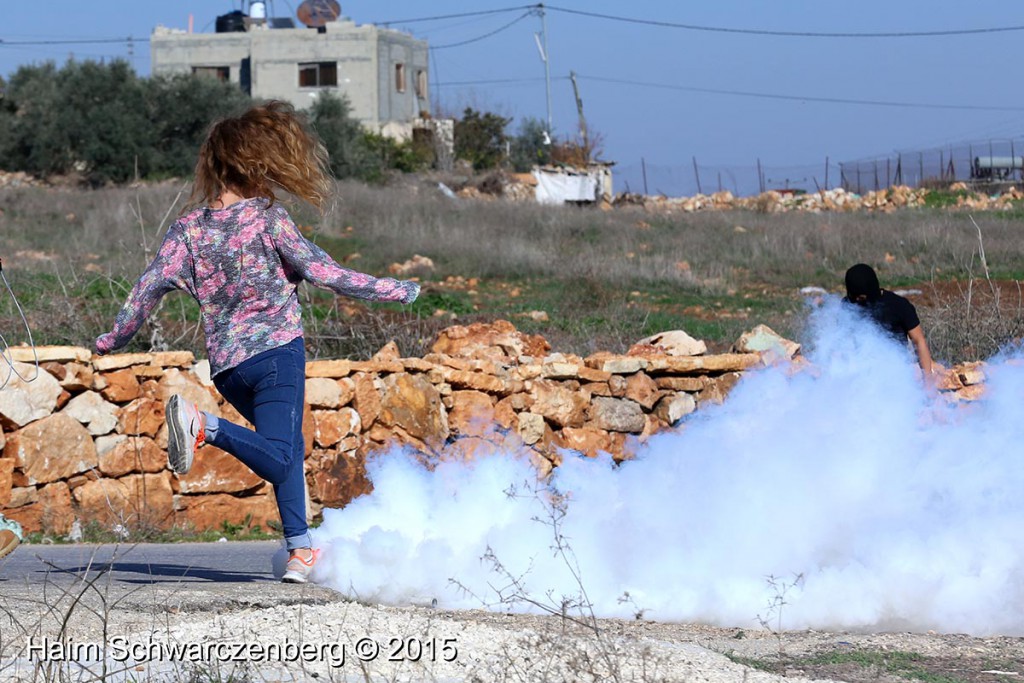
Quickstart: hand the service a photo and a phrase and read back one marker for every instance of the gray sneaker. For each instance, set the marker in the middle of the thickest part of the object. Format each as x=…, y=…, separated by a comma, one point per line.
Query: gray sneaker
x=185, y=425
x=299, y=569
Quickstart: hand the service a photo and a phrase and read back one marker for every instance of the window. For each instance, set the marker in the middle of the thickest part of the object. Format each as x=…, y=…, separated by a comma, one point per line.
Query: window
x=421, y=84
x=318, y=74
x=221, y=73
x=400, y=77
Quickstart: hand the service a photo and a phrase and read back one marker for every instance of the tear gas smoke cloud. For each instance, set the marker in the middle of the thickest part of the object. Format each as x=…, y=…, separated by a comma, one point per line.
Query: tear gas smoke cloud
x=899, y=510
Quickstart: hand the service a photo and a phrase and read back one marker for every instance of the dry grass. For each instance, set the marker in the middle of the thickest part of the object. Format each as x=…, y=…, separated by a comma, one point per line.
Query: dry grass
x=604, y=278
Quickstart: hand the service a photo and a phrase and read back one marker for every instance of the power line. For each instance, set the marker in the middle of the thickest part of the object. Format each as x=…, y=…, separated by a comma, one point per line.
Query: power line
x=498, y=81
x=127, y=40
x=486, y=35
x=461, y=15
x=792, y=34
x=800, y=98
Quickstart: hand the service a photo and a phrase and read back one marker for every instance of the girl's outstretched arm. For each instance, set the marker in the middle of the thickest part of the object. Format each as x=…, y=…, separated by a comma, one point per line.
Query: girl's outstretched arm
x=161, y=276
x=316, y=266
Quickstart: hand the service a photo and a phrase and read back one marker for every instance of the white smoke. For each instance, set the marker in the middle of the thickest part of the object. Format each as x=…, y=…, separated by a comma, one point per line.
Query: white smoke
x=897, y=509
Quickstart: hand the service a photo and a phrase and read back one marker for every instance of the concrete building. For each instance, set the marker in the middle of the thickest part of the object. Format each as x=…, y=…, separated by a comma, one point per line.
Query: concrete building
x=383, y=72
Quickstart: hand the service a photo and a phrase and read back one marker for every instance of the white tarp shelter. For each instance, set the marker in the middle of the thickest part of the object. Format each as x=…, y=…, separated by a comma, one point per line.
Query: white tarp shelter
x=564, y=185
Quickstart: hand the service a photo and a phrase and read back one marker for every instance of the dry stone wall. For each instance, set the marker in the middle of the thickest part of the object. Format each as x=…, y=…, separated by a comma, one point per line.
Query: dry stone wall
x=85, y=440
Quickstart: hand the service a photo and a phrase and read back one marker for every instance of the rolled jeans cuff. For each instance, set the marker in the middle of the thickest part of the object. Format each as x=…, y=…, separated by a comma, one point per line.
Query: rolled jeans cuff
x=300, y=541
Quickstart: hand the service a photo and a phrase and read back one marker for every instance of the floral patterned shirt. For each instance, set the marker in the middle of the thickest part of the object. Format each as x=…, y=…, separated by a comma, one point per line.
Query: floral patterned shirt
x=243, y=264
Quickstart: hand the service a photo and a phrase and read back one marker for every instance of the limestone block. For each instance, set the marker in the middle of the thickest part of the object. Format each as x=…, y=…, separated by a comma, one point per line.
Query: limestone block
x=412, y=403
x=176, y=359
x=89, y=408
x=131, y=454
x=331, y=426
x=323, y=392
x=366, y=399
x=22, y=495
x=498, y=341
x=120, y=386
x=6, y=480
x=23, y=402
x=56, y=354
x=763, y=339
x=587, y=440
x=616, y=415
x=472, y=413
x=562, y=406
x=121, y=360
x=671, y=343
x=338, y=478
x=616, y=365
x=642, y=389
x=692, y=384
x=214, y=471
x=77, y=377
x=201, y=370
x=57, y=513
x=101, y=500
x=174, y=381
x=51, y=449
x=718, y=388
x=212, y=511
x=333, y=369
x=675, y=407
x=141, y=417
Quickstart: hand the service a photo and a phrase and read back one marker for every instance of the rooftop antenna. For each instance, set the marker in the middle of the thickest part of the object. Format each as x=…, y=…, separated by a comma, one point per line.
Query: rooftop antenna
x=317, y=13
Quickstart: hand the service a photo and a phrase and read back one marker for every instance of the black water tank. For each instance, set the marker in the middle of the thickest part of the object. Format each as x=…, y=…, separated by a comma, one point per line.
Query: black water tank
x=231, y=22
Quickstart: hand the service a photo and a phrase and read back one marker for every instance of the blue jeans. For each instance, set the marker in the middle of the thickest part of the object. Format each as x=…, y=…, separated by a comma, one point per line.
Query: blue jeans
x=269, y=391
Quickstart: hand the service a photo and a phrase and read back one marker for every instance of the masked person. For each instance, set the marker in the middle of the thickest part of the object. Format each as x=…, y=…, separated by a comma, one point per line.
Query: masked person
x=892, y=312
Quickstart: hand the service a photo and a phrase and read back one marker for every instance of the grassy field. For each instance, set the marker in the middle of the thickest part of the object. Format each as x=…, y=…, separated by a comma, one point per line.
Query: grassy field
x=603, y=279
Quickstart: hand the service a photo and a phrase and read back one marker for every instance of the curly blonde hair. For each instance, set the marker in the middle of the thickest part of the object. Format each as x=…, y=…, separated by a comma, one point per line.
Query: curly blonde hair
x=266, y=147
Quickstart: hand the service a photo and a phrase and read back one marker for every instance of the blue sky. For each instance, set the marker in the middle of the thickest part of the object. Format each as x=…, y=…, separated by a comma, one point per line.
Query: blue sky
x=644, y=87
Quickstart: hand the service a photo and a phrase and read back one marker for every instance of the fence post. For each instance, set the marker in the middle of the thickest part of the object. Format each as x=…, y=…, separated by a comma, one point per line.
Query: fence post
x=1013, y=157
x=643, y=166
x=826, y=174
x=696, y=174
x=899, y=169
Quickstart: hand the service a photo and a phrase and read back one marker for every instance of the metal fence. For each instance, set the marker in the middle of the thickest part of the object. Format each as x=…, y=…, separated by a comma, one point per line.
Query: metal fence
x=686, y=180
x=980, y=163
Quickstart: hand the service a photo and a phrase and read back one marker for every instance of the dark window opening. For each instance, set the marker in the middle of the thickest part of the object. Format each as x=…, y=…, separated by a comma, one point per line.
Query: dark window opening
x=221, y=73
x=421, y=84
x=318, y=75
x=400, y=77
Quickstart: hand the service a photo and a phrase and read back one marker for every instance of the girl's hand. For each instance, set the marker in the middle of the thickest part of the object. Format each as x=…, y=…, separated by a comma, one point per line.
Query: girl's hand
x=105, y=343
x=412, y=290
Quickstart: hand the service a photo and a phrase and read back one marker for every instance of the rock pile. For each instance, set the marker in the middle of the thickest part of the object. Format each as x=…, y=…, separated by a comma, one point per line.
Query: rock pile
x=85, y=440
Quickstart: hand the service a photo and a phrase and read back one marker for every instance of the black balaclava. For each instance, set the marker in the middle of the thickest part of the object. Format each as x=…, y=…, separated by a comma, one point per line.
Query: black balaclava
x=861, y=280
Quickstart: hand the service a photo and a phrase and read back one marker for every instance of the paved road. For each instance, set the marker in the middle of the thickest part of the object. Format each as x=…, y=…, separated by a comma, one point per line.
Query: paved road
x=193, y=577
x=143, y=564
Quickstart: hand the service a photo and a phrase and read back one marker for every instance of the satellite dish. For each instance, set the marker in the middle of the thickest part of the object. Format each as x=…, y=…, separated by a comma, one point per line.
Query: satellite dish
x=316, y=13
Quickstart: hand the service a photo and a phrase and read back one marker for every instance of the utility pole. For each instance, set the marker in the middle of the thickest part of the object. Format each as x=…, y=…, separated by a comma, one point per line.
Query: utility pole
x=544, y=55
x=583, y=121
